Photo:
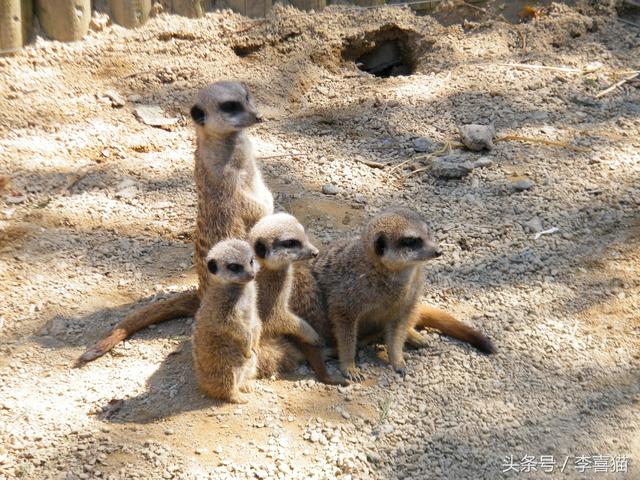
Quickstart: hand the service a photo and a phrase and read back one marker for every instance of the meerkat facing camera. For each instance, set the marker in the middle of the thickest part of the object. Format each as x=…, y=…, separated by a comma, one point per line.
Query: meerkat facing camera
x=281, y=244
x=227, y=329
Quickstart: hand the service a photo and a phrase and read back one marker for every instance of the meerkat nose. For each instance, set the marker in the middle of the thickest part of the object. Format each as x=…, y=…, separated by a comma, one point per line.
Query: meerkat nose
x=438, y=252
x=259, y=118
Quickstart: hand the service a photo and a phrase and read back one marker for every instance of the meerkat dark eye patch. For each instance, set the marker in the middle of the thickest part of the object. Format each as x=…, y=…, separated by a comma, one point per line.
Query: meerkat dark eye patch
x=235, y=268
x=198, y=115
x=411, y=242
x=291, y=243
x=260, y=248
x=380, y=245
x=231, y=107
x=212, y=266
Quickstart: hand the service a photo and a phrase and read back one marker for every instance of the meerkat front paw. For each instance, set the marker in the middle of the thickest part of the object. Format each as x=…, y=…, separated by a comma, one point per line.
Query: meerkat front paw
x=238, y=398
x=248, y=387
x=314, y=339
x=353, y=373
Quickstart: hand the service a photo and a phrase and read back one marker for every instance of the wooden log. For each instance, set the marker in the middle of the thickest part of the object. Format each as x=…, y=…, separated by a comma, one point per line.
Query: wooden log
x=64, y=20
x=10, y=25
x=16, y=25
x=250, y=8
x=27, y=20
x=130, y=13
x=368, y=3
x=189, y=8
x=309, y=4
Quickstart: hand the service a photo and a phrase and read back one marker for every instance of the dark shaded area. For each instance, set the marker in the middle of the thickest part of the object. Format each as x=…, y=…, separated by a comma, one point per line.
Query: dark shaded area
x=245, y=50
x=387, y=52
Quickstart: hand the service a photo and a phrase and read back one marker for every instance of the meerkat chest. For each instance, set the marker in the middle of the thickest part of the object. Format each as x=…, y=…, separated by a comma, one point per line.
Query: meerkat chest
x=396, y=295
x=260, y=191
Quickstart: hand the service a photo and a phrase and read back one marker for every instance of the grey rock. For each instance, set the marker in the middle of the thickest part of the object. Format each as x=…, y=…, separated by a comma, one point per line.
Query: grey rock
x=449, y=168
x=523, y=184
x=482, y=162
x=477, y=137
x=422, y=145
x=116, y=99
x=534, y=225
x=153, y=116
x=330, y=189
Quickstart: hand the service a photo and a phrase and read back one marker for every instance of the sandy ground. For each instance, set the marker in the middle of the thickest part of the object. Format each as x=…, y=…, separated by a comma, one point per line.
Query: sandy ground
x=101, y=207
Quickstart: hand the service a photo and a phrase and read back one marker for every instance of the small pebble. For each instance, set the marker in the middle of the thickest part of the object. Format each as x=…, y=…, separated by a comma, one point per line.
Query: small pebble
x=330, y=189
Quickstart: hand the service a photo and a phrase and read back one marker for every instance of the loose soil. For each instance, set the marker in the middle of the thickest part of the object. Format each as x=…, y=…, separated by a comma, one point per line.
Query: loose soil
x=100, y=210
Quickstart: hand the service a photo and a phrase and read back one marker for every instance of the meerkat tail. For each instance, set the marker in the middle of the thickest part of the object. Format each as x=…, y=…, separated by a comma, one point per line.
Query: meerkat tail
x=277, y=355
x=447, y=324
x=184, y=304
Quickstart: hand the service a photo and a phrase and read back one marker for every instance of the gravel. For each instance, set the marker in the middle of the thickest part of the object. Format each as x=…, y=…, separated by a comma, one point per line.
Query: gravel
x=100, y=211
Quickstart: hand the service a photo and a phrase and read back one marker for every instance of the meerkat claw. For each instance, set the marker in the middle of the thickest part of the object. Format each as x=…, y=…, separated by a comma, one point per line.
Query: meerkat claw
x=354, y=374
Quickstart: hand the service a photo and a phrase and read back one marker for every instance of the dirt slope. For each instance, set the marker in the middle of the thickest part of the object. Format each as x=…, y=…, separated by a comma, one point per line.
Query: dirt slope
x=101, y=207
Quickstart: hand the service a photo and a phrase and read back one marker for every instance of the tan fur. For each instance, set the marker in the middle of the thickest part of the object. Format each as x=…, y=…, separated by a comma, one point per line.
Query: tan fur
x=226, y=333
x=371, y=285
x=280, y=245
x=232, y=197
x=277, y=355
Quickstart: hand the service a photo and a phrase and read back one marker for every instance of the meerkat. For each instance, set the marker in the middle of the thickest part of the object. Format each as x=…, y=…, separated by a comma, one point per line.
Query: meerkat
x=372, y=284
x=280, y=244
x=227, y=329
x=232, y=197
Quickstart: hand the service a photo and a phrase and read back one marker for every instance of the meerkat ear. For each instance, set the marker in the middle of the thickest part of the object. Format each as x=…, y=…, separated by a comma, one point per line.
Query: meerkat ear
x=198, y=115
x=380, y=245
x=212, y=266
x=260, y=248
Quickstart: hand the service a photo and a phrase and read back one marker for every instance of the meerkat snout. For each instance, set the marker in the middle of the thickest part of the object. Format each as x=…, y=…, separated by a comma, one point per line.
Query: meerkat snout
x=432, y=249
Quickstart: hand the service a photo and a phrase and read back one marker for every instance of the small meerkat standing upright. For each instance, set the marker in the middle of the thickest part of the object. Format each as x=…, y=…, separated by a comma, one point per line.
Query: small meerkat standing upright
x=227, y=329
x=280, y=244
x=372, y=284
x=232, y=197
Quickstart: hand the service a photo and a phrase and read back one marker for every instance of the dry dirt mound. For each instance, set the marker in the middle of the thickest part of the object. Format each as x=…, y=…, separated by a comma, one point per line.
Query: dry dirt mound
x=101, y=206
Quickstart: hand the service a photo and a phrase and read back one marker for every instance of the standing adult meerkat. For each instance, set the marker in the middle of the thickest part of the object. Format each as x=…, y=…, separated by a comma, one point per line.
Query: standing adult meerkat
x=372, y=285
x=280, y=245
x=232, y=197
x=227, y=328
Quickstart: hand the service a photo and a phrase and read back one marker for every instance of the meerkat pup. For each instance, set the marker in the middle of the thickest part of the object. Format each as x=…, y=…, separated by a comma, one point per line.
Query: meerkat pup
x=227, y=328
x=279, y=241
x=372, y=284
x=280, y=244
x=232, y=197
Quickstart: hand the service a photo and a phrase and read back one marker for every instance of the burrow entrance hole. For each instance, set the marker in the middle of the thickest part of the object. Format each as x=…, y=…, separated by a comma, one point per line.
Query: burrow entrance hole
x=387, y=52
